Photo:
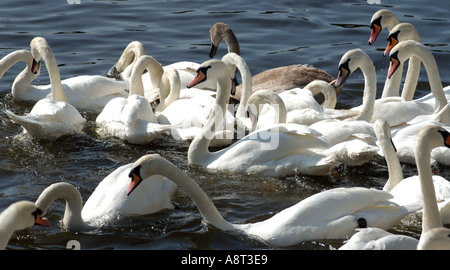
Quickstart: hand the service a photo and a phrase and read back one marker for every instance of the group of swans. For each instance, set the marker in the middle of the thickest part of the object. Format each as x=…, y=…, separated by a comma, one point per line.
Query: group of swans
x=424, y=192
x=332, y=213
x=277, y=149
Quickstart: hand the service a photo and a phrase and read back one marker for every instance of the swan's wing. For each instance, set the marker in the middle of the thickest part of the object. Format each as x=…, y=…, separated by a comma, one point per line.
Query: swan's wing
x=137, y=108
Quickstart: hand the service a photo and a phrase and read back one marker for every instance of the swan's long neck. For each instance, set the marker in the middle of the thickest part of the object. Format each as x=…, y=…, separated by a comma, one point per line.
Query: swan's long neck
x=392, y=85
x=155, y=71
x=74, y=204
x=206, y=207
x=22, y=81
x=262, y=97
x=424, y=144
x=169, y=89
x=198, y=151
x=370, y=90
x=434, y=79
x=235, y=60
x=394, y=167
x=232, y=42
x=42, y=48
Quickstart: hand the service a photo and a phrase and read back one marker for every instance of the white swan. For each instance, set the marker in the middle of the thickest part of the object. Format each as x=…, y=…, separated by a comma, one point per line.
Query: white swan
x=395, y=110
x=417, y=192
x=18, y=216
x=277, y=79
x=50, y=118
x=351, y=61
x=84, y=92
x=432, y=228
x=190, y=115
x=21, y=88
x=401, y=32
x=121, y=70
x=277, y=150
x=108, y=201
x=330, y=214
x=383, y=18
x=348, y=142
x=132, y=119
x=407, y=191
x=409, y=48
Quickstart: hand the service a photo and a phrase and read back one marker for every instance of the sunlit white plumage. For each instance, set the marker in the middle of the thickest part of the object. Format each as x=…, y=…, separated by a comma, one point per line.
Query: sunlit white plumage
x=18, y=216
x=132, y=119
x=108, y=201
x=331, y=214
x=50, y=118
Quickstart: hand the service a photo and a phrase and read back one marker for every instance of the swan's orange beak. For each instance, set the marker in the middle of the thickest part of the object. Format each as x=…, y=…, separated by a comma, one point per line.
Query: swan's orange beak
x=376, y=29
x=41, y=221
x=198, y=79
x=38, y=219
x=135, y=181
x=395, y=63
x=391, y=44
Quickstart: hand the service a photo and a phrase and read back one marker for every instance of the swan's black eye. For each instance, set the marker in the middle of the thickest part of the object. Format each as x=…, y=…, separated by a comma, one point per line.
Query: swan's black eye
x=36, y=213
x=376, y=23
x=345, y=65
x=446, y=135
x=135, y=171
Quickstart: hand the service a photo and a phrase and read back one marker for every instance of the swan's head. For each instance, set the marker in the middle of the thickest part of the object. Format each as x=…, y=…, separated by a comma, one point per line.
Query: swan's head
x=24, y=214
x=402, y=52
x=401, y=32
x=380, y=19
x=256, y=102
x=435, y=239
x=37, y=45
x=212, y=70
x=143, y=168
x=350, y=61
x=216, y=34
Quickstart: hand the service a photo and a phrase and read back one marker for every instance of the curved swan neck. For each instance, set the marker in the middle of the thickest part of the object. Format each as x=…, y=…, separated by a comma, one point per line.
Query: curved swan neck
x=221, y=31
x=325, y=88
x=154, y=164
x=40, y=48
x=22, y=82
x=370, y=90
x=427, y=139
x=383, y=134
x=198, y=149
x=155, y=71
x=262, y=97
x=402, y=32
x=412, y=48
x=15, y=57
x=238, y=62
x=74, y=203
x=130, y=54
x=388, y=19
x=169, y=88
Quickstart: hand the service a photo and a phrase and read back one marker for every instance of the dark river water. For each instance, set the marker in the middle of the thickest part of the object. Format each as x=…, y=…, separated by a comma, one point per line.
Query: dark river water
x=87, y=39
